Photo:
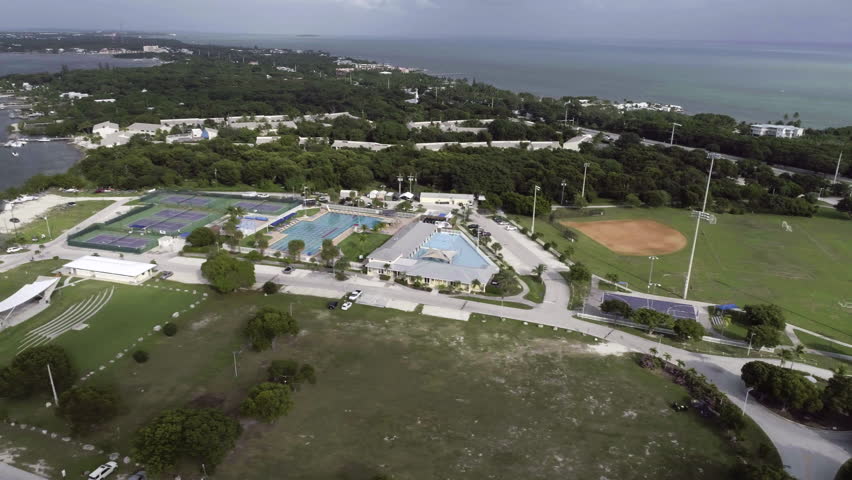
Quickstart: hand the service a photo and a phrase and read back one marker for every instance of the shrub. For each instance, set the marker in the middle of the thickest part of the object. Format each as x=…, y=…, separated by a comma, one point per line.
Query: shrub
x=141, y=356
x=384, y=277
x=170, y=329
x=254, y=256
x=271, y=287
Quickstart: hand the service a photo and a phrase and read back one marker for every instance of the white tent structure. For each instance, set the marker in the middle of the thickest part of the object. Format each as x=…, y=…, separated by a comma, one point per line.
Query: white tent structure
x=43, y=286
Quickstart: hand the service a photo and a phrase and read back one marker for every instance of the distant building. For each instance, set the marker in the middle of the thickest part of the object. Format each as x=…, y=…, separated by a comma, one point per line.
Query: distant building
x=105, y=128
x=73, y=95
x=145, y=128
x=105, y=100
x=780, y=131
x=427, y=198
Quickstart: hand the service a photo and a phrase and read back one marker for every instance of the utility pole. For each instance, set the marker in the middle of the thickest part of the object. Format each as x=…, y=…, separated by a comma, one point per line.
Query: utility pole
x=535, y=196
x=48, y=227
x=651, y=273
x=399, y=182
x=52, y=386
x=745, y=404
x=585, y=168
x=712, y=157
x=837, y=170
x=562, y=198
x=671, y=141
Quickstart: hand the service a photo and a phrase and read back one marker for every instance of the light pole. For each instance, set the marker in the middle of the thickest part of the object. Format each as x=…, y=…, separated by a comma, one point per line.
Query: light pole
x=651, y=273
x=745, y=404
x=585, y=169
x=671, y=140
x=837, y=170
x=399, y=182
x=712, y=157
x=411, y=180
x=562, y=198
x=48, y=226
x=749, y=344
x=535, y=196
x=234, y=353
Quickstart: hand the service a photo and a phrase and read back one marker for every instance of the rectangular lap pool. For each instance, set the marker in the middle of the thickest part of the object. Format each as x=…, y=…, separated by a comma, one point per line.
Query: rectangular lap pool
x=328, y=226
x=456, y=248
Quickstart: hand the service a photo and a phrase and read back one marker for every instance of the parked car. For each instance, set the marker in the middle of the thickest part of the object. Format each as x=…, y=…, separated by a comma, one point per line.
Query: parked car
x=140, y=475
x=355, y=295
x=103, y=471
x=166, y=274
x=262, y=195
x=473, y=227
x=71, y=190
x=511, y=228
x=15, y=249
x=332, y=305
x=288, y=270
x=483, y=233
x=346, y=306
x=71, y=204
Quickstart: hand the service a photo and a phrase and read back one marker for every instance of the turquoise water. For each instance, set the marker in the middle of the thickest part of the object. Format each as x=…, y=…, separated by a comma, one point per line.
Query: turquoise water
x=749, y=81
x=328, y=226
x=466, y=254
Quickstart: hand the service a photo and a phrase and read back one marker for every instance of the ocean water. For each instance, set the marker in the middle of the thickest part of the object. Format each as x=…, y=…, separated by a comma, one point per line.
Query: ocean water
x=751, y=82
x=45, y=62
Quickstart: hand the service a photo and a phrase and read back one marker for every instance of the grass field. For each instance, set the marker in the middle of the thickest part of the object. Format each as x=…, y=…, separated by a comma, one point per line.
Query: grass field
x=536, y=288
x=12, y=280
x=361, y=244
x=407, y=395
x=817, y=343
x=61, y=218
x=742, y=259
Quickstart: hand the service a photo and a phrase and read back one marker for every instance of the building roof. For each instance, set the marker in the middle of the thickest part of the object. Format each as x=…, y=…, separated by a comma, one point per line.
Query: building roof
x=27, y=293
x=110, y=265
x=769, y=125
x=105, y=125
x=406, y=241
x=145, y=127
x=440, y=196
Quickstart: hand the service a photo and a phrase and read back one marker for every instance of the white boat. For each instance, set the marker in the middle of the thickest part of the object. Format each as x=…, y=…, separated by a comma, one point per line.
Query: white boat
x=16, y=154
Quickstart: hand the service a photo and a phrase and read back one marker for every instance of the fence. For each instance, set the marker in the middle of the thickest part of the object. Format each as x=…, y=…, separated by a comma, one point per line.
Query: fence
x=73, y=241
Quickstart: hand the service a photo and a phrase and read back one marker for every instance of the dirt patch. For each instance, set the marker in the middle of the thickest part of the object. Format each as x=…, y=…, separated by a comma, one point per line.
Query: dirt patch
x=632, y=237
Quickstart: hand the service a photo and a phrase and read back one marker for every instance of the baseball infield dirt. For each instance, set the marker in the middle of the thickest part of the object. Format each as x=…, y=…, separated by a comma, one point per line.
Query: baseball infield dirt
x=632, y=237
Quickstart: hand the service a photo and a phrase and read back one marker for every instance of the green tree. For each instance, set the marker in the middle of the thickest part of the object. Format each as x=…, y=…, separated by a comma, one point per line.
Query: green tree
x=267, y=401
x=616, y=306
x=580, y=273
x=764, y=336
x=170, y=329
x=262, y=243
x=28, y=372
x=294, y=248
x=357, y=177
x=197, y=435
x=539, y=270
x=267, y=324
x=329, y=251
x=226, y=273
x=837, y=395
x=202, y=237
x=688, y=329
x=271, y=287
x=745, y=471
x=580, y=201
x=633, y=200
x=650, y=318
x=771, y=315
x=87, y=407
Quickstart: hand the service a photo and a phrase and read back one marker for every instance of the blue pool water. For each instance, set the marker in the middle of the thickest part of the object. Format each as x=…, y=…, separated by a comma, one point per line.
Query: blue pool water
x=329, y=226
x=466, y=254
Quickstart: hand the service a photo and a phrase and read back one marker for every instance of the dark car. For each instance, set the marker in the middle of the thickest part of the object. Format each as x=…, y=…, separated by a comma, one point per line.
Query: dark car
x=483, y=233
x=332, y=305
x=473, y=227
x=288, y=270
x=71, y=204
x=140, y=475
x=166, y=274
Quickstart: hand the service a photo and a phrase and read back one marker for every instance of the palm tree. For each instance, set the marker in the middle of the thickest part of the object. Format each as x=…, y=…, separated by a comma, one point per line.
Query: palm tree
x=539, y=270
x=476, y=283
x=262, y=244
x=496, y=247
x=653, y=351
x=787, y=356
x=667, y=357
x=681, y=363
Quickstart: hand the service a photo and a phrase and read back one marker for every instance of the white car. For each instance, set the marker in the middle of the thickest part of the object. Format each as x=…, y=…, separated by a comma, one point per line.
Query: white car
x=15, y=249
x=346, y=306
x=355, y=295
x=103, y=471
x=262, y=195
x=511, y=228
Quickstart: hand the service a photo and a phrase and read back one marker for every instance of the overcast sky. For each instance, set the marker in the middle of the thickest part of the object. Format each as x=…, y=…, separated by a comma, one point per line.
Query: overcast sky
x=771, y=20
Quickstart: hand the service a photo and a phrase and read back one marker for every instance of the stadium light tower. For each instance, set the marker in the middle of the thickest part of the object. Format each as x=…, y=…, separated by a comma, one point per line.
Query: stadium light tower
x=651, y=273
x=535, y=195
x=562, y=198
x=674, y=124
x=399, y=180
x=712, y=157
x=837, y=170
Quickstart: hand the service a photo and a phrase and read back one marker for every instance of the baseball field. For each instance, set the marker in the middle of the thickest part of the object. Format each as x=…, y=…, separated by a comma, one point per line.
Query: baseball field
x=741, y=259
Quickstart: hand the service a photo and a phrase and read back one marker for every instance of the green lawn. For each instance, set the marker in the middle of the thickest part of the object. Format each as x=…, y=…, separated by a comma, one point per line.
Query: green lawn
x=817, y=343
x=407, y=395
x=12, y=280
x=492, y=301
x=536, y=288
x=61, y=218
x=307, y=212
x=742, y=259
x=359, y=244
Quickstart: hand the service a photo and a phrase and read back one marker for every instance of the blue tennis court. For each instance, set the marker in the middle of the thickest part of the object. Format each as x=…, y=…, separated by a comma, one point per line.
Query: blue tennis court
x=118, y=240
x=676, y=310
x=184, y=215
x=328, y=226
x=187, y=200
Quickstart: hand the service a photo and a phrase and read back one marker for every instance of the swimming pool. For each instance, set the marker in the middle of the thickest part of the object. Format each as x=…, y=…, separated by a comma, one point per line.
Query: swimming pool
x=465, y=255
x=328, y=226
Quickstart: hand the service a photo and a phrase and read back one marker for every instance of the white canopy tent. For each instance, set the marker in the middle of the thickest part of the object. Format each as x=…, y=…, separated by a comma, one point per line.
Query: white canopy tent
x=26, y=293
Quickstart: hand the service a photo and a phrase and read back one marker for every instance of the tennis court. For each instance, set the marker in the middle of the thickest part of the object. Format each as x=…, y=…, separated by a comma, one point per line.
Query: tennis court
x=266, y=206
x=168, y=220
x=328, y=226
x=111, y=240
x=676, y=310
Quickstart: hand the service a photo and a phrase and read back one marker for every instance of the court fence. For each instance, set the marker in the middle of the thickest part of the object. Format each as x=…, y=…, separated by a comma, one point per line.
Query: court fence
x=74, y=241
x=131, y=213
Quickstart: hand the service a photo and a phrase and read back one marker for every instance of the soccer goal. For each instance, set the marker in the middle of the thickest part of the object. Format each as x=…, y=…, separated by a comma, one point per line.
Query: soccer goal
x=706, y=216
x=786, y=226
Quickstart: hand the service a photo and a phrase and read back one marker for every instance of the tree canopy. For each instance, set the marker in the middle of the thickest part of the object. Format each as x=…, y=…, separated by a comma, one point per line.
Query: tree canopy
x=28, y=372
x=267, y=324
x=267, y=401
x=227, y=273
x=86, y=407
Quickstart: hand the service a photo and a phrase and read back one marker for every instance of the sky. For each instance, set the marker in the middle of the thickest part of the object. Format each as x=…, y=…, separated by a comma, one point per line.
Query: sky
x=793, y=21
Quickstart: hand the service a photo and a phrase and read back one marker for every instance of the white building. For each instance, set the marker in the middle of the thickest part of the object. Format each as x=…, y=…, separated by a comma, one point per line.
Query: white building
x=105, y=128
x=145, y=128
x=204, y=133
x=431, y=198
x=780, y=131
x=105, y=100
x=110, y=269
x=73, y=95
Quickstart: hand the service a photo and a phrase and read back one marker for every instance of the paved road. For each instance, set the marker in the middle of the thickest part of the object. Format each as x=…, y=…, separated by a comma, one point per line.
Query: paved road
x=8, y=472
x=733, y=158
x=809, y=454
